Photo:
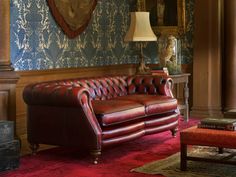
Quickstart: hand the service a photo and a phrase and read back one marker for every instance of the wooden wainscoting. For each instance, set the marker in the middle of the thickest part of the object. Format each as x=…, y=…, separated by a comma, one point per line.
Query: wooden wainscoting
x=27, y=77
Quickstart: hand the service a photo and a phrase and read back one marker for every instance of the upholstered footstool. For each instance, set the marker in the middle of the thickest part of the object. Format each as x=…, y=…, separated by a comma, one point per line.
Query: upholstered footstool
x=205, y=137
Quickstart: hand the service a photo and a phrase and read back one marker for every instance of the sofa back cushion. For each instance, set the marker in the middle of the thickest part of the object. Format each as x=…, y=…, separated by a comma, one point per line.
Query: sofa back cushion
x=143, y=84
x=103, y=88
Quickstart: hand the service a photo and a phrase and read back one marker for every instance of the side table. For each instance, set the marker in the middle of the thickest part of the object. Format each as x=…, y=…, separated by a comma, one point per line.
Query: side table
x=183, y=78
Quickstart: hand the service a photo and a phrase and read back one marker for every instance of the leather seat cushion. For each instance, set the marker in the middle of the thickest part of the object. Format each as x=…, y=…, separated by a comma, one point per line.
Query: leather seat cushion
x=113, y=111
x=154, y=104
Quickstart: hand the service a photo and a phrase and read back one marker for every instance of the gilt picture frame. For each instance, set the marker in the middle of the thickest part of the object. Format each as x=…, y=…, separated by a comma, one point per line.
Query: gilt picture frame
x=166, y=16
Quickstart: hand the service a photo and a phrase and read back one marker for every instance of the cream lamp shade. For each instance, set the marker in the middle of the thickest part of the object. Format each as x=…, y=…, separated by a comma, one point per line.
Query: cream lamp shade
x=140, y=28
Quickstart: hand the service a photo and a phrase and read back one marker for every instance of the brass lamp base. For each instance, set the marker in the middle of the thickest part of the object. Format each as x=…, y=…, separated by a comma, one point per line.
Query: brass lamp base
x=142, y=69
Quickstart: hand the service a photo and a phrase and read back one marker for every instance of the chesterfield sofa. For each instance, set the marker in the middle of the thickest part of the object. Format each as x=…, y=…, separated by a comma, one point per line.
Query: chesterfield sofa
x=97, y=112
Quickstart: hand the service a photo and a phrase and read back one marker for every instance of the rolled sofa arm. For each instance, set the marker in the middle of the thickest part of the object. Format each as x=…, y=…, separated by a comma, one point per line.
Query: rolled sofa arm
x=52, y=94
x=150, y=84
x=166, y=87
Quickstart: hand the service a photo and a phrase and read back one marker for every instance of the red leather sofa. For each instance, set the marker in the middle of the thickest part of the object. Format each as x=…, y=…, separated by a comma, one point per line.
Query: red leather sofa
x=94, y=113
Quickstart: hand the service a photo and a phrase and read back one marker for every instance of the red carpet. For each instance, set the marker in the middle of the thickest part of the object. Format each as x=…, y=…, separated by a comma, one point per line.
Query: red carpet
x=116, y=161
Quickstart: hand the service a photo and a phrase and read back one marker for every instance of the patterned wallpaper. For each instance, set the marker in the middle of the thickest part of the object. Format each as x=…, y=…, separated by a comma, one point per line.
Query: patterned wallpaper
x=187, y=40
x=37, y=42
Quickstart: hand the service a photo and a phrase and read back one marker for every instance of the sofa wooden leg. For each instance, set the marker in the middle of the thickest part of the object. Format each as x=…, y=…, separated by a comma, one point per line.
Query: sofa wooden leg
x=34, y=148
x=95, y=154
x=174, y=131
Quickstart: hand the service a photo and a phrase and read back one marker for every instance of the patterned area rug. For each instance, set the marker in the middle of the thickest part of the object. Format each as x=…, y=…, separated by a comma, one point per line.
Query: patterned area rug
x=170, y=167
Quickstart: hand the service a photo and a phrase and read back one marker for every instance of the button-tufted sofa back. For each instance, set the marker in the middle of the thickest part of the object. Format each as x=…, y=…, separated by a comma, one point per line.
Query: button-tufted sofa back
x=100, y=88
x=143, y=84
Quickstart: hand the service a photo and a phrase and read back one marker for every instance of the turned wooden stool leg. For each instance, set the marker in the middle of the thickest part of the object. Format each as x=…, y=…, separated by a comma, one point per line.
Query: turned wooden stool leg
x=96, y=154
x=183, y=157
x=34, y=147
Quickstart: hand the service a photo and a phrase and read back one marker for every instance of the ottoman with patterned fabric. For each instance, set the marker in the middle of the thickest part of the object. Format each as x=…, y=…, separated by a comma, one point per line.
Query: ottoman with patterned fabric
x=205, y=137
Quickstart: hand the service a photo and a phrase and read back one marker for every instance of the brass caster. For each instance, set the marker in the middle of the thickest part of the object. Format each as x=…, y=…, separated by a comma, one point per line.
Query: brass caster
x=95, y=154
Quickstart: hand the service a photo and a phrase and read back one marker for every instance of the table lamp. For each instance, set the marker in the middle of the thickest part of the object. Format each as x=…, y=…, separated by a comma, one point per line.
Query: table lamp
x=140, y=31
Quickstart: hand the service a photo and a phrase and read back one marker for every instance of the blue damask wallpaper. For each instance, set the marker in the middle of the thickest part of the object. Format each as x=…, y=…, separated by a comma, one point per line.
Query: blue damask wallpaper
x=37, y=42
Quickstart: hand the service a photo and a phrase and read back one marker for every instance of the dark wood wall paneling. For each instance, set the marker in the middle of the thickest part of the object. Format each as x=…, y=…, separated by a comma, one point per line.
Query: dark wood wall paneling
x=229, y=69
x=8, y=77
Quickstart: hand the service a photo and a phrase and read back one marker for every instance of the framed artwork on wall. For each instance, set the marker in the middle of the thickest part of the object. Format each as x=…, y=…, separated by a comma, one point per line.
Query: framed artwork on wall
x=166, y=16
x=72, y=16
